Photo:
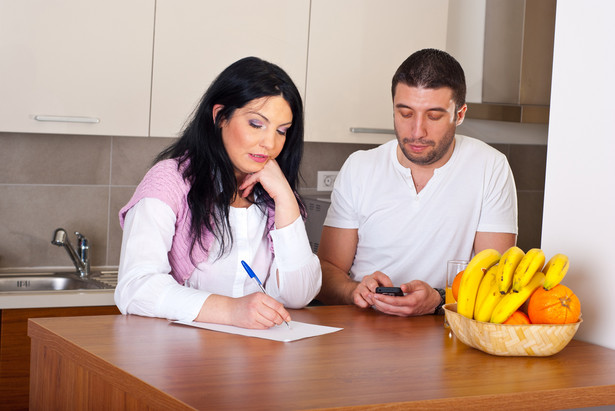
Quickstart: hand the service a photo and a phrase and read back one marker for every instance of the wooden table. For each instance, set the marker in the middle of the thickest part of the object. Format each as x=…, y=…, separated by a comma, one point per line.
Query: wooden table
x=126, y=362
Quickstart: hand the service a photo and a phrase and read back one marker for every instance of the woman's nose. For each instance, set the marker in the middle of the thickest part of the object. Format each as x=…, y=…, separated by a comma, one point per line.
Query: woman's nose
x=268, y=140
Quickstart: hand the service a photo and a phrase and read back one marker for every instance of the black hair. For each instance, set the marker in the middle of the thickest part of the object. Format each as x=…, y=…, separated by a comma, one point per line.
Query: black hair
x=431, y=68
x=209, y=169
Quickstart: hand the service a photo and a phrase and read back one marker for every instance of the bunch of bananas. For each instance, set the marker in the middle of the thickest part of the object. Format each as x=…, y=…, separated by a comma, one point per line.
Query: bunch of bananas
x=494, y=286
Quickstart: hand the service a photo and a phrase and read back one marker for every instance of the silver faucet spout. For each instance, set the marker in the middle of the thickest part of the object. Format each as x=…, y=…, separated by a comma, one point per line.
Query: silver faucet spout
x=80, y=258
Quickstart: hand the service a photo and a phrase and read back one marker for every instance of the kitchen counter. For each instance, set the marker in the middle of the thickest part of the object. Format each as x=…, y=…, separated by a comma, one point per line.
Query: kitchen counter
x=19, y=306
x=376, y=361
x=76, y=298
x=69, y=298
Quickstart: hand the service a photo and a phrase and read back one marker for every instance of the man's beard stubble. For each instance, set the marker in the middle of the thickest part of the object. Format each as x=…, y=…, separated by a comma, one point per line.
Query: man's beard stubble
x=433, y=155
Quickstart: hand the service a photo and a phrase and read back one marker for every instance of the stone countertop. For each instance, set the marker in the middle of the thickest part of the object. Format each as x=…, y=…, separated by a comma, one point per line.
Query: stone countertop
x=69, y=298
x=47, y=299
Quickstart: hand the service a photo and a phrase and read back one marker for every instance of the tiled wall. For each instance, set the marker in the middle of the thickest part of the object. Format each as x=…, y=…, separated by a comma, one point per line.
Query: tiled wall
x=70, y=181
x=80, y=183
x=527, y=162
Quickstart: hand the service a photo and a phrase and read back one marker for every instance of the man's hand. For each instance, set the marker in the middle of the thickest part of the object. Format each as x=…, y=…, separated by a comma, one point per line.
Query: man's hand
x=336, y=252
x=419, y=298
x=363, y=295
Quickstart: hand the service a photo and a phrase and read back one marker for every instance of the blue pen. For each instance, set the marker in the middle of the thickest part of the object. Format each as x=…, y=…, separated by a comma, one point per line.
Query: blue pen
x=253, y=275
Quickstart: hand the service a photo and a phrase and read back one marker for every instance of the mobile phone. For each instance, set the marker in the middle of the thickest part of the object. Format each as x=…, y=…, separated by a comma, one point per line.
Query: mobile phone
x=395, y=291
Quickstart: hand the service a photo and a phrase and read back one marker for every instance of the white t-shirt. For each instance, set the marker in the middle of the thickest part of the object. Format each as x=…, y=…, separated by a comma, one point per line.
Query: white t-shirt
x=145, y=286
x=411, y=236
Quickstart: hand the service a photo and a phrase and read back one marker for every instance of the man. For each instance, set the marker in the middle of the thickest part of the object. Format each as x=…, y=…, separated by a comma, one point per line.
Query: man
x=400, y=211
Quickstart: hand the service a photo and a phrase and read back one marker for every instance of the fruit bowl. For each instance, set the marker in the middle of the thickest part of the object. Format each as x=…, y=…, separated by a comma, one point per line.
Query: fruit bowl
x=539, y=340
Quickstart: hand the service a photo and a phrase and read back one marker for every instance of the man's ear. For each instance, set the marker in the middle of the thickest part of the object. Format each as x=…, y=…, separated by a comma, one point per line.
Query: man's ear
x=216, y=110
x=461, y=114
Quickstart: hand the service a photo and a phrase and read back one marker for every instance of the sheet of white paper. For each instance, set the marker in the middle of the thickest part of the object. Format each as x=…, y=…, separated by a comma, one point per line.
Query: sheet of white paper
x=297, y=330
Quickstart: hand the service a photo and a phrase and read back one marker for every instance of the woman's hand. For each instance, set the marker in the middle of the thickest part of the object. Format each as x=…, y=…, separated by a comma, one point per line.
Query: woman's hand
x=274, y=182
x=255, y=311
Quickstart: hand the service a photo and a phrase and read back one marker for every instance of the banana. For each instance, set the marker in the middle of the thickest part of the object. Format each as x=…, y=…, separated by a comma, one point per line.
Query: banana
x=555, y=270
x=530, y=264
x=513, y=300
x=507, y=266
x=483, y=287
x=488, y=295
x=471, y=279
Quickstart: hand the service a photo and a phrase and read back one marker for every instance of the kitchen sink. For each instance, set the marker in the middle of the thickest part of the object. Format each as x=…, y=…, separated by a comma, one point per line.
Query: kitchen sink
x=29, y=282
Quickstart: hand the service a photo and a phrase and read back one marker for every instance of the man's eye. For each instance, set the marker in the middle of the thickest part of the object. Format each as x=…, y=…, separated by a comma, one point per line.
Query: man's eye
x=434, y=117
x=406, y=114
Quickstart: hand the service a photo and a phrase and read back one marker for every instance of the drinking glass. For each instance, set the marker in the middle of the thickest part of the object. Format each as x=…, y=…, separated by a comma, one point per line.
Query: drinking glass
x=453, y=267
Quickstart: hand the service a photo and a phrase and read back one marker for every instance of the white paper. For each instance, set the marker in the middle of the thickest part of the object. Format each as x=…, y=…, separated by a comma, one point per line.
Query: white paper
x=297, y=330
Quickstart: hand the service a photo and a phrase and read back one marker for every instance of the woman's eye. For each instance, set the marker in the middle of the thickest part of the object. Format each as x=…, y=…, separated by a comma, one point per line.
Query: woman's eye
x=282, y=131
x=255, y=124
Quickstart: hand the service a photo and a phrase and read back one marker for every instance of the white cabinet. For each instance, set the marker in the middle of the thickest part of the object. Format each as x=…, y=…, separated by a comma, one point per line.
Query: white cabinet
x=79, y=67
x=139, y=68
x=355, y=48
x=195, y=40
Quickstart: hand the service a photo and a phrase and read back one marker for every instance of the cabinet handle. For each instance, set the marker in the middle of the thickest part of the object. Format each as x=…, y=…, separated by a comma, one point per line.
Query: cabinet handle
x=360, y=130
x=67, y=119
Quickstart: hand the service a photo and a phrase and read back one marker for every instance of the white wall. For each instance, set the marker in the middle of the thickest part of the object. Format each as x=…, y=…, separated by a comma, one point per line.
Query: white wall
x=579, y=209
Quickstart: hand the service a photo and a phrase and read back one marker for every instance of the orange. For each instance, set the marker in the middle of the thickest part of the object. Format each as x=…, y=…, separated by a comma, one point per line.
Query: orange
x=455, y=285
x=559, y=305
x=518, y=317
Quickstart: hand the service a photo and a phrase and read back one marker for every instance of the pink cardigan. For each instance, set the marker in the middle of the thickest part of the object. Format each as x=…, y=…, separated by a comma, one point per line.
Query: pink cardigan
x=166, y=183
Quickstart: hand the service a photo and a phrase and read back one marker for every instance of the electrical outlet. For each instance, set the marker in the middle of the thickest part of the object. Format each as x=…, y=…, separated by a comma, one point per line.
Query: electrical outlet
x=326, y=180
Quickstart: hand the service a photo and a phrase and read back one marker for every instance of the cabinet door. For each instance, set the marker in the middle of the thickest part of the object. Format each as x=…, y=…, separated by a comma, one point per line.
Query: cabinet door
x=195, y=40
x=76, y=67
x=355, y=48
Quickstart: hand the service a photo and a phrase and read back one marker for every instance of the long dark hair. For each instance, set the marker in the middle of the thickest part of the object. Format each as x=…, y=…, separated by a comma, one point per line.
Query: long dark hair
x=207, y=166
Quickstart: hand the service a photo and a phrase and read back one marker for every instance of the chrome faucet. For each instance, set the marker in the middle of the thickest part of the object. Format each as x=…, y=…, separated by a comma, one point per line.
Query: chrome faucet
x=80, y=257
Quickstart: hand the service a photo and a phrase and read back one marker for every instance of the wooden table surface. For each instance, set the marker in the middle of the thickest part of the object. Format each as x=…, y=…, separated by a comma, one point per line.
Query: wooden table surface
x=132, y=361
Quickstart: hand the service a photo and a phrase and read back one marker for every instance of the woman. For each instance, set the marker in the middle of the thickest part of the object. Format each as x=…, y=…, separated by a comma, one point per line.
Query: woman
x=225, y=191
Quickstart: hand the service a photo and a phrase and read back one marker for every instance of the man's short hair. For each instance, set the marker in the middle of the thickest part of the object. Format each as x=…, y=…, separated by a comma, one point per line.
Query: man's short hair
x=431, y=68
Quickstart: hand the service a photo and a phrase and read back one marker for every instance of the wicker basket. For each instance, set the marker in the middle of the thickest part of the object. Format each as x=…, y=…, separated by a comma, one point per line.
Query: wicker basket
x=510, y=340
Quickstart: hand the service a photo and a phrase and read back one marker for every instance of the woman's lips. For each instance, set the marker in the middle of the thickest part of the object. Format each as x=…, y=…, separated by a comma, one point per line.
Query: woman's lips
x=259, y=158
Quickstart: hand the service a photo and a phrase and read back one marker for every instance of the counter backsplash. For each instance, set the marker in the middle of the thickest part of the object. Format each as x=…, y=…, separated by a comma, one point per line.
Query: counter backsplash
x=80, y=183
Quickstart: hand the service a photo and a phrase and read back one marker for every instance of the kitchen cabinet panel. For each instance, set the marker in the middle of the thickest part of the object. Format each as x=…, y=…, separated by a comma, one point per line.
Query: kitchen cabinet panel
x=355, y=48
x=71, y=63
x=196, y=40
x=15, y=348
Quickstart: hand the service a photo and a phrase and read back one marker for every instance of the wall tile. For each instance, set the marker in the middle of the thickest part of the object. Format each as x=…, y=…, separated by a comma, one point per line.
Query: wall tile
x=119, y=197
x=502, y=148
x=132, y=157
x=528, y=164
x=325, y=157
x=31, y=213
x=80, y=183
x=54, y=159
x=530, y=205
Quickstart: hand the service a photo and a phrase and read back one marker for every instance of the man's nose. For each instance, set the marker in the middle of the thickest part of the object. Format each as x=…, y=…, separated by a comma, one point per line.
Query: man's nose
x=419, y=128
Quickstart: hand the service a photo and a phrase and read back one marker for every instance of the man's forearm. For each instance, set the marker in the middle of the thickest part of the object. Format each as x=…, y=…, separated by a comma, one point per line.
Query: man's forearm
x=337, y=287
